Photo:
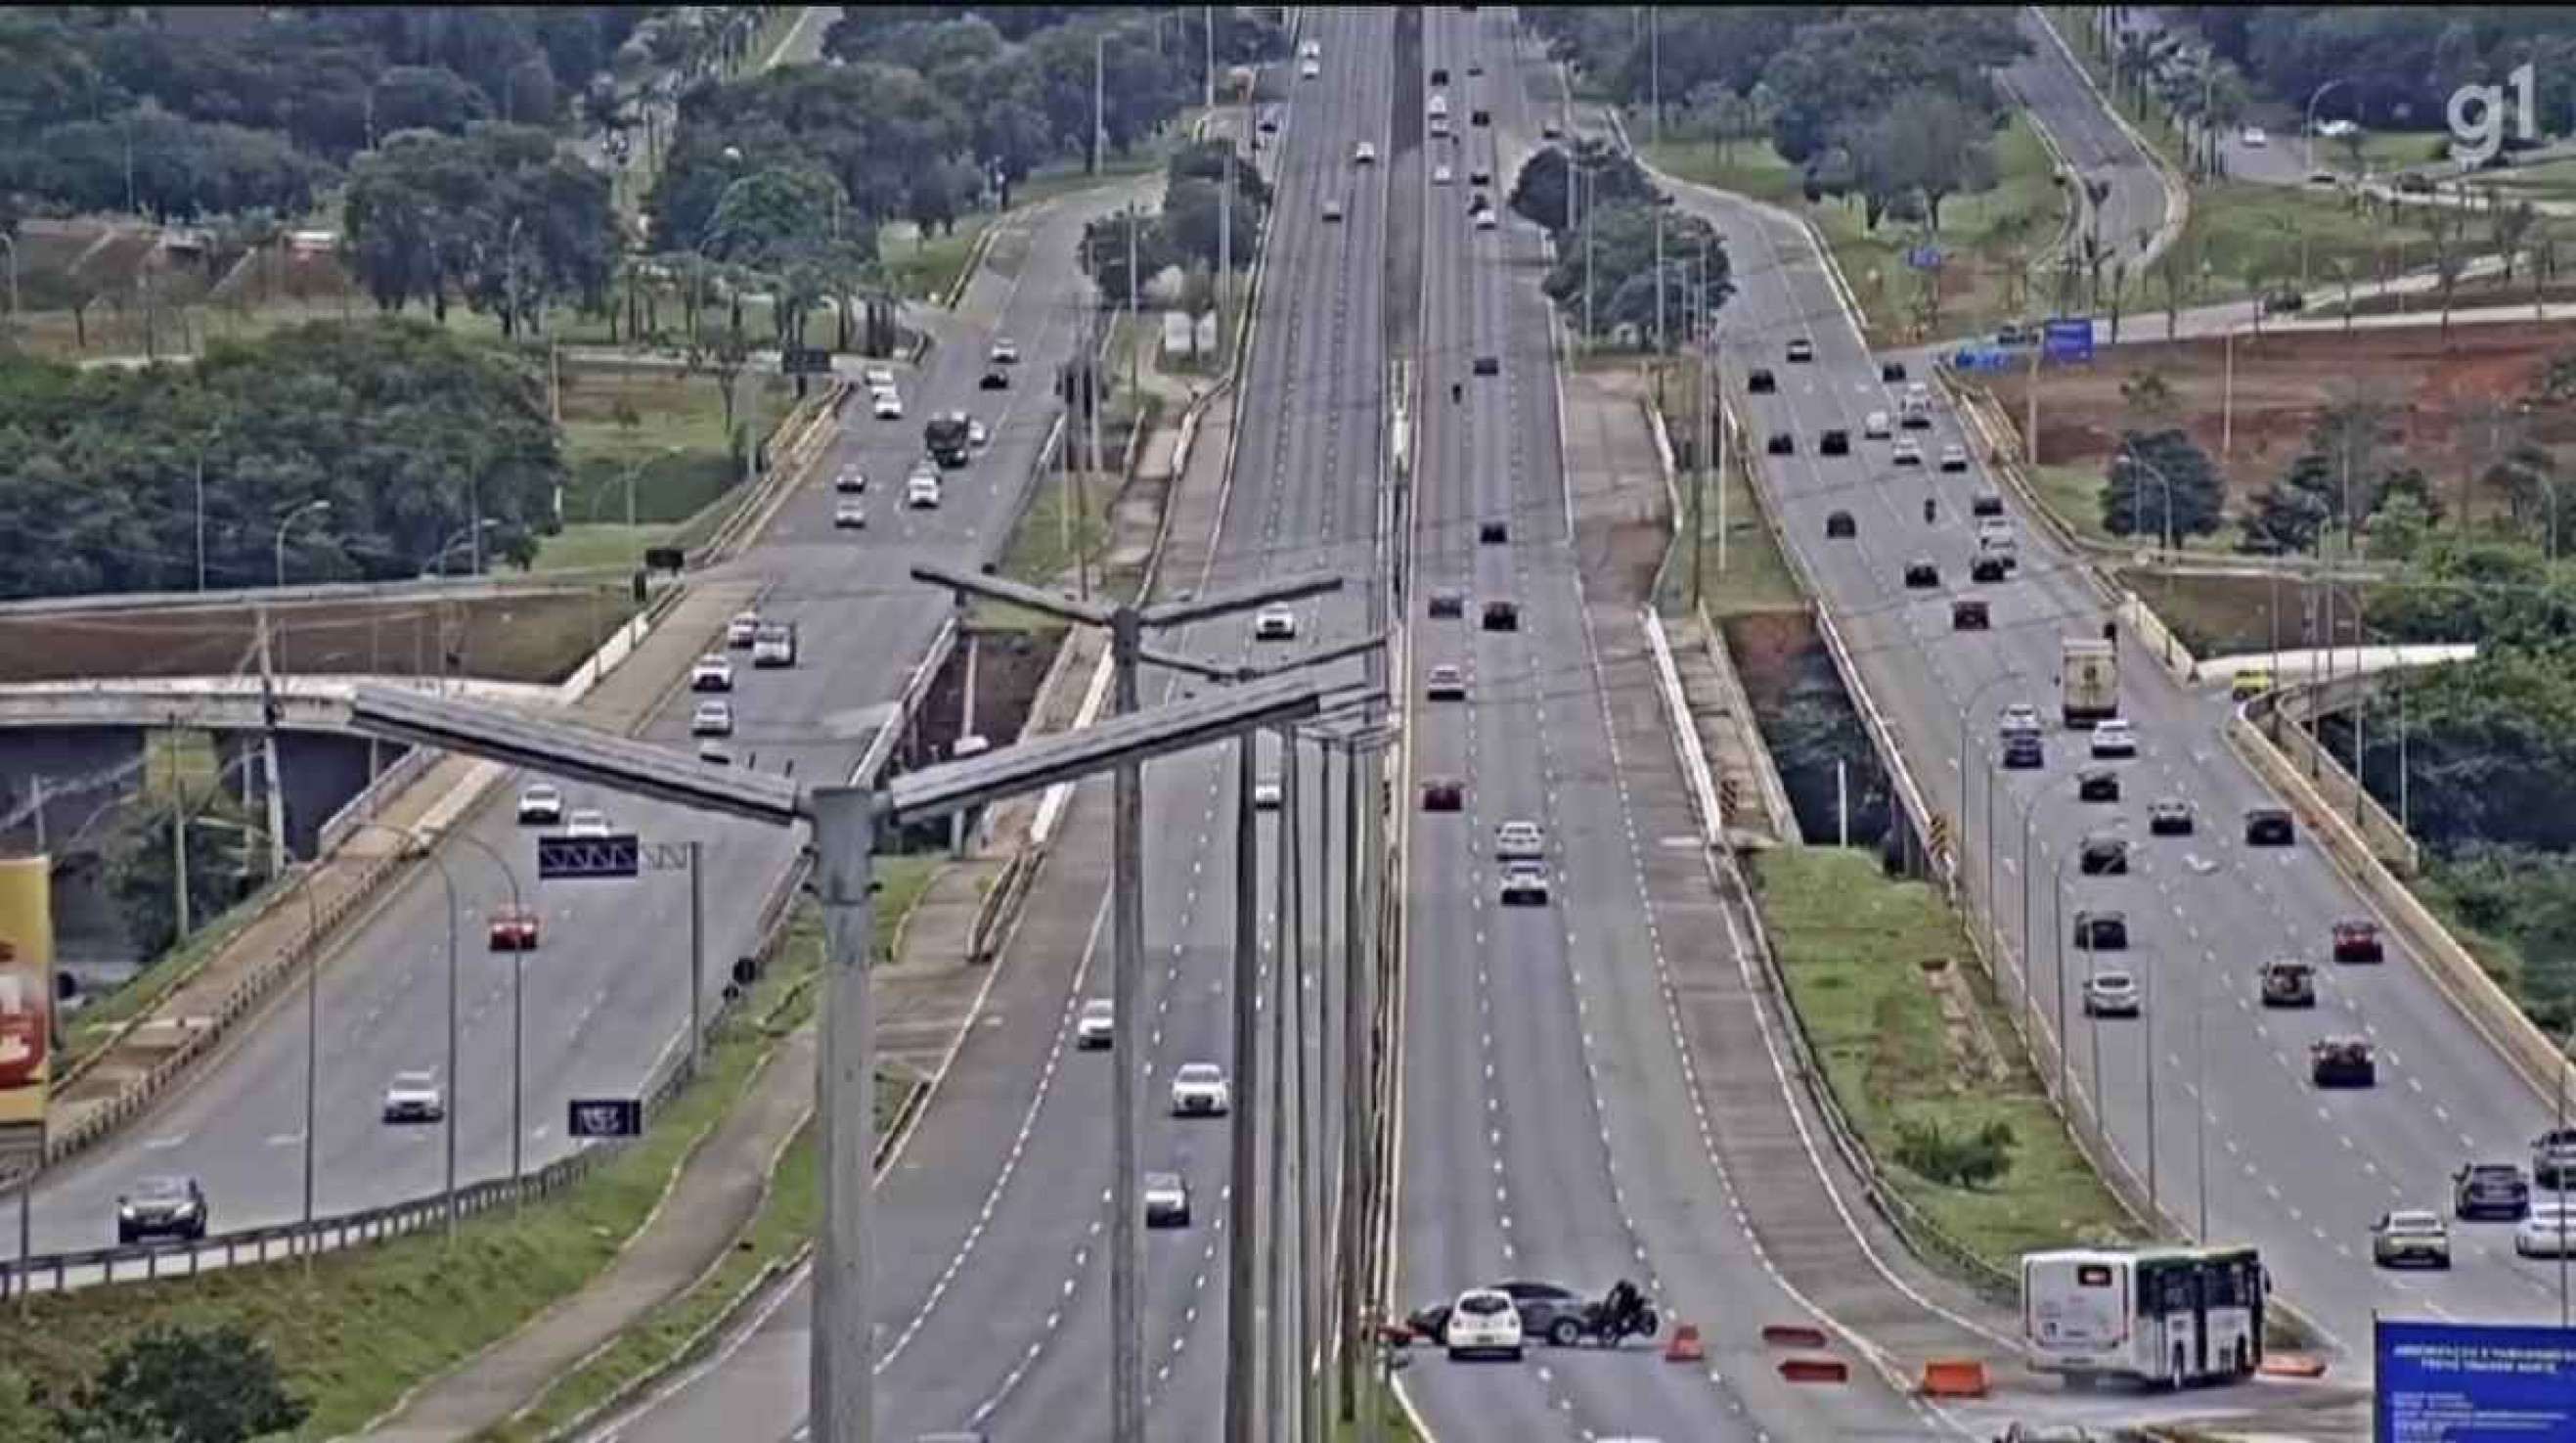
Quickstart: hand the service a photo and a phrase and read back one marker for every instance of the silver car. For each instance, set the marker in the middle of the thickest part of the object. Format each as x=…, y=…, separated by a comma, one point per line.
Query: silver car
x=1098, y=1024
x=1519, y=842
x=1524, y=884
x=2112, y=994
x=414, y=1097
x=2413, y=1235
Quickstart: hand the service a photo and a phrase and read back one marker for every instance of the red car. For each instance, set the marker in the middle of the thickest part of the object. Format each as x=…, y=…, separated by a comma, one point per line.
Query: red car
x=1444, y=795
x=514, y=930
x=2357, y=941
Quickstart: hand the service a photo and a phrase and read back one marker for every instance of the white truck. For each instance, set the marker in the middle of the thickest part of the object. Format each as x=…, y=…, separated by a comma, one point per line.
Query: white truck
x=2088, y=679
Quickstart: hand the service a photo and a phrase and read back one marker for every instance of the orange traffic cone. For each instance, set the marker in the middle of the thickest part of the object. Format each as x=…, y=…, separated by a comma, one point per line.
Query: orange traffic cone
x=1685, y=1346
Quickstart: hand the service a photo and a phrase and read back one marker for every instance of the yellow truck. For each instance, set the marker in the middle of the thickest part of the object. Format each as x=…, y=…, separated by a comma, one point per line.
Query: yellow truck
x=2088, y=680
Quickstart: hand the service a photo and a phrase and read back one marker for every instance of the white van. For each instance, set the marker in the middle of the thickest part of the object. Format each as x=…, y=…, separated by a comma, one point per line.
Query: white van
x=1875, y=426
x=1439, y=106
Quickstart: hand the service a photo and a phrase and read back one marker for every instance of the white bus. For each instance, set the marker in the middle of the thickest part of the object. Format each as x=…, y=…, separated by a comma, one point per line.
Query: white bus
x=2170, y=1316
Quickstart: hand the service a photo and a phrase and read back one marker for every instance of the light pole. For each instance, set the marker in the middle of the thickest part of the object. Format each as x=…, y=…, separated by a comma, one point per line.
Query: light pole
x=202, y=448
x=446, y=547
x=2057, y=917
x=2308, y=127
x=289, y=519
x=2566, y=1064
x=447, y=1111
x=518, y=981
x=1965, y=709
x=2164, y=534
x=11, y=246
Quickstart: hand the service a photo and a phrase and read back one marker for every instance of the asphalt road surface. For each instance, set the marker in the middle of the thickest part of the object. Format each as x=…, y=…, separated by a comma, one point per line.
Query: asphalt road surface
x=2300, y=1172
x=607, y=990
x=2129, y=221
x=992, y=1269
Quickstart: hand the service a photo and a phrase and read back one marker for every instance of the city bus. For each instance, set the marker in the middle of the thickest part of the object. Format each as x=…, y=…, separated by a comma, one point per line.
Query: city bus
x=2170, y=1316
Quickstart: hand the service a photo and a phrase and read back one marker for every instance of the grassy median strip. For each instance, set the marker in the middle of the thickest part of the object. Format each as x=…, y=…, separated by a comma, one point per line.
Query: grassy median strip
x=1924, y=1063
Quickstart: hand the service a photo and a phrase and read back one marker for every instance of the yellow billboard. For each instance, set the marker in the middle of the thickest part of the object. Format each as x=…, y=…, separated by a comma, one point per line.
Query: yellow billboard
x=26, y=990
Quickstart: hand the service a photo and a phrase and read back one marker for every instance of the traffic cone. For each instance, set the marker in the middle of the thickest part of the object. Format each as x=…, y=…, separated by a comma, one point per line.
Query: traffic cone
x=1685, y=1346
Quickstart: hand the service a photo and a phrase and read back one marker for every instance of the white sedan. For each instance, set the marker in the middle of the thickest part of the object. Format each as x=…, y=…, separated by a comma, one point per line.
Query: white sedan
x=1364, y=153
x=1098, y=1024
x=2548, y=1230
x=588, y=822
x=1442, y=175
x=888, y=405
x=1483, y=1322
x=1276, y=623
x=1486, y=219
x=877, y=378
x=2114, y=737
x=712, y=719
x=414, y=1097
x=850, y=515
x=1199, y=1090
x=540, y=805
x=921, y=491
x=711, y=673
x=1311, y=70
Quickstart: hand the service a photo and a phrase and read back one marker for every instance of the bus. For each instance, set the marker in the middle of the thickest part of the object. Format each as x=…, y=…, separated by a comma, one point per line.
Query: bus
x=2171, y=1316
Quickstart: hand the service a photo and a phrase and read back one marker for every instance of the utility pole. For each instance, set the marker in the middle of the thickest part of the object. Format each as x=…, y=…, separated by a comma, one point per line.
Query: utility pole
x=842, y=1378
x=1310, y=1202
x=1353, y=1076
x=276, y=798
x=1127, y=1240
x=1281, y=998
x=1655, y=88
x=1699, y=469
x=178, y=848
x=1659, y=277
x=1135, y=335
x=1242, y=1359
x=697, y=963
x=1208, y=22
x=2030, y=412
x=1099, y=120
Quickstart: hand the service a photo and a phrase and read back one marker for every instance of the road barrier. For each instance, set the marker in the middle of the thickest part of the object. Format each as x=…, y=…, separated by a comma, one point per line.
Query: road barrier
x=1815, y=1370
x=1954, y=1378
x=2300, y=704
x=2291, y=1365
x=1792, y=1335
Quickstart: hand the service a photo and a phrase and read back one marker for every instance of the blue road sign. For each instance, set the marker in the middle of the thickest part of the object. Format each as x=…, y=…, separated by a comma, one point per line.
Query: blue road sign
x=2473, y=1383
x=1924, y=258
x=606, y=1117
x=573, y=858
x=2067, y=338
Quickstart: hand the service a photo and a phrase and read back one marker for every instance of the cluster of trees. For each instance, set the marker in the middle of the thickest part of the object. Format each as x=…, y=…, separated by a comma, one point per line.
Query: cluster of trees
x=495, y=216
x=1894, y=107
x=411, y=436
x=165, y=1384
x=1187, y=232
x=179, y=113
x=2399, y=64
x=1603, y=212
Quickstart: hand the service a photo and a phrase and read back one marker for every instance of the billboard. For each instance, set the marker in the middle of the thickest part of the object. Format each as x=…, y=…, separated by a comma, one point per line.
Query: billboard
x=26, y=1000
x=2472, y=1383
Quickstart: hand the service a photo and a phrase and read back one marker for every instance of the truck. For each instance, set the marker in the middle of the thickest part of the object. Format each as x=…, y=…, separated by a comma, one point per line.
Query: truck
x=947, y=438
x=2088, y=680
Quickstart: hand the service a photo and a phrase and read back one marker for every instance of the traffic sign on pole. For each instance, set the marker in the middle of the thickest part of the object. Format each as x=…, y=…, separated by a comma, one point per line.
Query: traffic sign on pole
x=607, y=1117
x=578, y=858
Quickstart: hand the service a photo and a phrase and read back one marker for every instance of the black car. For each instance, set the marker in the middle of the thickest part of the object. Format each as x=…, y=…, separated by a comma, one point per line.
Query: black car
x=1480, y=117
x=2170, y=817
x=1921, y=573
x=2102, y=931
x=1444, y=794
x=2023, y=751
x=2269, y=827
x=1480, y=176
x=1891, y=370
x=1502, y=616
x=1760, y=381
x=161, y=1207
x=1488, y=366
x=2490, y=1190
x=1448, y=604
x=1970, y=613
x=1986, y=569
x=1781, y=443
x=2097, y=784
x=1440, y=75
x=1493, y=533
x=996, y=379
x=1836, y=442
x=2343, y=1062
x=1986, y=504
x=1839, y=524
x=2288, y=982
x=2103, y=856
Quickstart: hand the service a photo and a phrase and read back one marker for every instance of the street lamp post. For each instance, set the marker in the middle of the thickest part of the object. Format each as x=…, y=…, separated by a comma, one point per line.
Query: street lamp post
x=289, y=519
x=1965, y=709
x=518, y=1011
x=447, y=1112
x=2308, y=127
x=2164, y=534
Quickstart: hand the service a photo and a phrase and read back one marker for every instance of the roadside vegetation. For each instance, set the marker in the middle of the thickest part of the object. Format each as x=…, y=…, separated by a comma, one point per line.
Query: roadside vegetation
x=1922, y=1060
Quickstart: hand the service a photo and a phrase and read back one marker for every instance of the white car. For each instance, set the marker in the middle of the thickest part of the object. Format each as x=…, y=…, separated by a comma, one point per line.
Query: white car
x=2253, y=138
x=744, y=626
x=715, y=753
x=976, y=435
x=1520, y=842
x=1483, y=1323
x=414, y=1097
x=588, y=822
x=2410, y=1235
x=1266, y=795
x=2114, y=737
x=1442, y=175
x=1098, y=1024
x=888, y=405
x=2111, y=994
x=1199, y=1090
x=775, y=646
x=851, y=481
x=1876, y=426
x=1166, y=1197
x=1276, y=623
x=1954, y=457
x=1005, y=352
x=1310, y=70
x=1524, y=884
x=1364, y=153
x=877, y=378
x=921, y=492
x=851, y=515
x=712, y=719
x=540, y=804
x=1487, y=219
x=712, y=673
x=1445, y=683
x=1332, y=209
x=1311, y=50
x=2021, y=716
x=1906, y=452
x=2548, y=1230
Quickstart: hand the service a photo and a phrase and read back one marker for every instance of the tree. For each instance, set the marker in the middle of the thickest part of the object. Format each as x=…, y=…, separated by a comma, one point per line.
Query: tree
x=2507, y=225
x=1606, y=176
x=2399, y=526
x=2149, y=398
x=2160, y=482
x=212, y=1385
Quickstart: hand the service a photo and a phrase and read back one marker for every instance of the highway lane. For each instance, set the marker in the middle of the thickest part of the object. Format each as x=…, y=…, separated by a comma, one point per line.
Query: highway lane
x=1546, y=1087
x=2132, y=216
x=606, y=991
x=991, y=1269
x=2301, y=1173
